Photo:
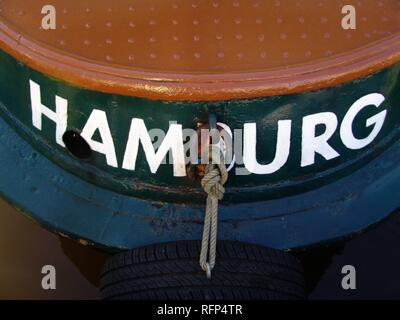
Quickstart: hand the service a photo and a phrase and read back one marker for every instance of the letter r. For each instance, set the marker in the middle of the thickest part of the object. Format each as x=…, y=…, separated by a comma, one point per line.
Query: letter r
x=312, y=144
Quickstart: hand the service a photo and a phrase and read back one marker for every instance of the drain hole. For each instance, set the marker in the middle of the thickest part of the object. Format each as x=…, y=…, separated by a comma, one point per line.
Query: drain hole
x=77, y=145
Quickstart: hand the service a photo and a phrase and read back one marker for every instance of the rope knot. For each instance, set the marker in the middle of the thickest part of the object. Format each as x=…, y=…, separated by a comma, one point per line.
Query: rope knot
x=213, y=181
x=215, y=175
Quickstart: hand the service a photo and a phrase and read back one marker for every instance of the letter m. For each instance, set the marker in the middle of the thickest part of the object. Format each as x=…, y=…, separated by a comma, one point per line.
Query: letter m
x=173, y=141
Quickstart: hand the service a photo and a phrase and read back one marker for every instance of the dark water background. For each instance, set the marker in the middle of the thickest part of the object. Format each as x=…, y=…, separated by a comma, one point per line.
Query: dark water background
x=26, y=247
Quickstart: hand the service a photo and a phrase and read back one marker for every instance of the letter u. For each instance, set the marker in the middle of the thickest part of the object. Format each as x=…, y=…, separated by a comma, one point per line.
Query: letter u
x=281, y=153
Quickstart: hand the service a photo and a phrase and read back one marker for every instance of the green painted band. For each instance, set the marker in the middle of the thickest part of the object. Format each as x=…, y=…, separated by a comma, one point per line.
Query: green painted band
x=294, y=112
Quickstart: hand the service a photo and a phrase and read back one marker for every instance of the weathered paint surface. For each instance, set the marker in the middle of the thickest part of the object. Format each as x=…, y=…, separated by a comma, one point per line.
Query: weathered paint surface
x=64, y=203
x=293, y=207
x=265, y=113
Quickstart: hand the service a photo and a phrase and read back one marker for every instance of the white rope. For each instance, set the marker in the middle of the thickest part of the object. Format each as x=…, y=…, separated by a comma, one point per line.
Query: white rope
x=212, y=183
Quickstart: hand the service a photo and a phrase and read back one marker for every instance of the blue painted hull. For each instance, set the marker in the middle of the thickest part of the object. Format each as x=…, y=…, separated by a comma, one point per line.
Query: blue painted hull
x=73, y=207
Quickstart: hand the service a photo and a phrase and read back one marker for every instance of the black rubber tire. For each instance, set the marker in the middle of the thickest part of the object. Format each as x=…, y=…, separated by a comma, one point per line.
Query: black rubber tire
x=171, y=271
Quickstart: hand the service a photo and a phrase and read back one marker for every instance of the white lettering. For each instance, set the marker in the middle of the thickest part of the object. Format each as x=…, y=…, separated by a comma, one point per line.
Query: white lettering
x=60, y=116
x=312, y=144
x=98, y=121
x=173, y=141
x=282, y=148
x=346, y=129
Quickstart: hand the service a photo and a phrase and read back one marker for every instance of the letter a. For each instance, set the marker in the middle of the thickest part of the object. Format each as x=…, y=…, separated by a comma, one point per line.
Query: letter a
x=349, y=20
x=49, y=280
x=49, y=20
x=349, y=280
